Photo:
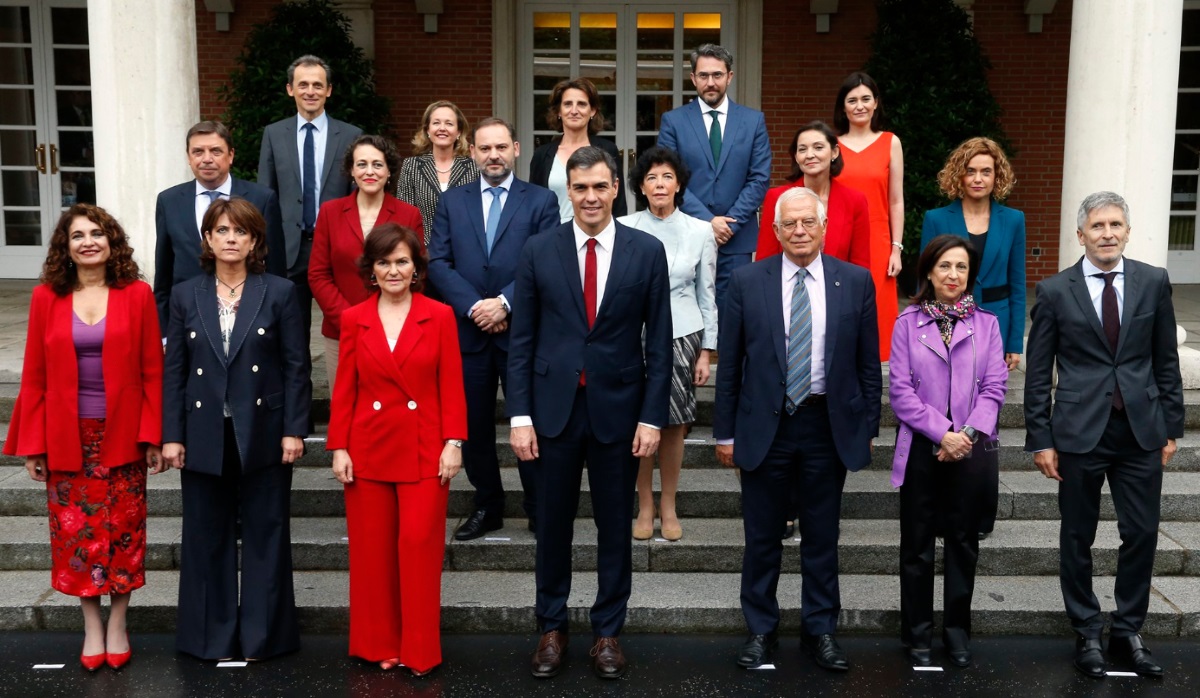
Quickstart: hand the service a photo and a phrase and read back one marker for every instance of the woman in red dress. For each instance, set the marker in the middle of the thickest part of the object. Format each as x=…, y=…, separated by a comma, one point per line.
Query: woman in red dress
x=396, y=428
x=88, y=418
x=874, y=166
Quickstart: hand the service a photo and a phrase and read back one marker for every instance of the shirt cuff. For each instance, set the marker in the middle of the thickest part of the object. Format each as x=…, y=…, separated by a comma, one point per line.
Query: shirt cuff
x=724, y=442
x=471, y=310
x=504, y=301
x=520, y=421
x=649, y=426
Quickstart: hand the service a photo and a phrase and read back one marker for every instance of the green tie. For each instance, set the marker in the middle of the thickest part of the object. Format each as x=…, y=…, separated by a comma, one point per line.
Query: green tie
x=714, y=137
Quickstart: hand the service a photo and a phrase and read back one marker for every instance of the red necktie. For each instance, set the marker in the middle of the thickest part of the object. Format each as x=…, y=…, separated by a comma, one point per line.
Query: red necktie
x=589, y=291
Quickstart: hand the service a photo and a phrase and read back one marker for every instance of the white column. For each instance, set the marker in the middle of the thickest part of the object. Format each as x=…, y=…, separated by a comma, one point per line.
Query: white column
x=145, y=96
x=1120, y=126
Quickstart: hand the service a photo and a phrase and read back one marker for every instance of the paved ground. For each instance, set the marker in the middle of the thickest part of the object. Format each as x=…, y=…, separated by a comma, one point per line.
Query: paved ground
x=660, y=665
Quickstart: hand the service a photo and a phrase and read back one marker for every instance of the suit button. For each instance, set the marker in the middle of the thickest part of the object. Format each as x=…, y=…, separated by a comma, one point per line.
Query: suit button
x=261, y=331
x=197, y=404
x=783, y=383
x=485, y=267
x=776, y=413
x=412, y=404
x=258, y=401
x=193, y=335
x=377, y=405
x=254, y=368
x=199, y=372
x=922, y=336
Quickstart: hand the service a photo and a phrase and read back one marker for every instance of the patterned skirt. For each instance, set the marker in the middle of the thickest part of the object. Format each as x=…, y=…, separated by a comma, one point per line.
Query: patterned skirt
x=97, y=523
x=683, y=366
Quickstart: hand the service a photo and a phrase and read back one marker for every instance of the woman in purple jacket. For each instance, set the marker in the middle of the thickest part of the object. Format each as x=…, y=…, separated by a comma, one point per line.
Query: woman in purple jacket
x=947, y=383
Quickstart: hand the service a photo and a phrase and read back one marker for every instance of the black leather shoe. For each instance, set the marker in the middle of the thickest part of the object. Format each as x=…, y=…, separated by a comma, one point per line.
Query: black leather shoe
x=920, y=656
x=1089, y=657
x=825, y=651
x=984, y=534
x=789, y=529
x=477, y=525
x=1131, y=650
x=757, y=649
x=957, y=647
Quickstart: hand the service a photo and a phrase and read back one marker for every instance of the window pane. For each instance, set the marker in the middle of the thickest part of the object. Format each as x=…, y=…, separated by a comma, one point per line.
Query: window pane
x=14, y=25
x=656, y=30
x=548, y=70
x=78, y=188
x=598, y=31
x=1191, y=28
x=601, y=69
x=552, y=30
x=17, y=148
x=1187, y=152
x=1181, y=233
x=655, y=71
x=70, y=25
x=16, y=66
x=75, y=149
x=650, y=109
x=74, y=107
x=1188, y=114
x=541, y=104
x=608, y=107
x=20, y=188
x=16, y=107
x=22, y=228
x=701, y=28
x=1183, y=192
x=1189, y=69
x=72, y=66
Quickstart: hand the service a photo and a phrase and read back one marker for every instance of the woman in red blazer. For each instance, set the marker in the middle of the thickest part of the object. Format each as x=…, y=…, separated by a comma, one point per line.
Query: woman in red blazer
x=397, y=422
x=88, y=418
x=814, y=150
x=338, y=236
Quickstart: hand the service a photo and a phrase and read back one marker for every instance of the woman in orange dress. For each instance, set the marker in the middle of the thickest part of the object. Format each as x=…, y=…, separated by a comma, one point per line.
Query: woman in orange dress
x=875, y=166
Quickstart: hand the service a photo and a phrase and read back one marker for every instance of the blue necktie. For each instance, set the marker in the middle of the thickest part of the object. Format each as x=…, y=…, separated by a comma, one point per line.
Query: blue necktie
x=493, y=221
x=308, y=179
x=799, y=355
x=212, y=195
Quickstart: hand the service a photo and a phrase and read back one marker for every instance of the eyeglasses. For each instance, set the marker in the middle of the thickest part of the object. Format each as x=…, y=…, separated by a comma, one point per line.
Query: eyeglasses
x=789, y=226
x=715, y=77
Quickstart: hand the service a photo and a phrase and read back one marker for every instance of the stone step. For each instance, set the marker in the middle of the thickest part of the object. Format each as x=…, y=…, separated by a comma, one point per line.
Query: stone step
x=503, y=602
x=1027, y=548
x=703, y=493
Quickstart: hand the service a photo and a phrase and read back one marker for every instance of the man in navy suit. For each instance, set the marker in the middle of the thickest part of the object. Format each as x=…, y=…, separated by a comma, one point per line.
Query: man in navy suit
x=310, y=142
x=180, y=209
x=583, y=386
x=725, y=146
x=479, y=230
x=797, y=406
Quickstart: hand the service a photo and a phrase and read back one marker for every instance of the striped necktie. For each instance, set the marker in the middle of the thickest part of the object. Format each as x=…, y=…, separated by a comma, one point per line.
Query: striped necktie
x=799, y=354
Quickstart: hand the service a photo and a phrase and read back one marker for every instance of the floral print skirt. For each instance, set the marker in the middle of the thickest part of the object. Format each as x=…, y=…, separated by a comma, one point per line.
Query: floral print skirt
x=97, y=523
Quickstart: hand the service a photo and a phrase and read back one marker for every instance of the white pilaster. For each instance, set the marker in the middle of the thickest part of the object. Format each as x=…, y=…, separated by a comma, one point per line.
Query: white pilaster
x=1120, y=125
x=145, y=96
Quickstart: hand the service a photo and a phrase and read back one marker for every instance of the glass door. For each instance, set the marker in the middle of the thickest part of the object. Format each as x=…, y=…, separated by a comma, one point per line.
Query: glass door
x=1183, y=254
x=46, y=154
x=636, y=54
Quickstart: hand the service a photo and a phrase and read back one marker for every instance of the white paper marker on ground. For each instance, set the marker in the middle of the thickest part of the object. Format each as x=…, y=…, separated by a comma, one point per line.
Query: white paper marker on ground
x=503, y=539
x=1121, y=673
x=763, y=666
x=231, y=665
x=928, y=668
x=48, y=666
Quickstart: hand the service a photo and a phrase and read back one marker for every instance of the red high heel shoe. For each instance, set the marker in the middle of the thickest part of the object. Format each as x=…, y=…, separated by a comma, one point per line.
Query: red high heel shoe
x=92, y=662
x=116, y=661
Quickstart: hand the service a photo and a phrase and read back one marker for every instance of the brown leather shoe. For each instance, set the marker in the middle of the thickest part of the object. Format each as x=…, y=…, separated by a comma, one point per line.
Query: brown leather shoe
x=608, y=659
x=548, y=658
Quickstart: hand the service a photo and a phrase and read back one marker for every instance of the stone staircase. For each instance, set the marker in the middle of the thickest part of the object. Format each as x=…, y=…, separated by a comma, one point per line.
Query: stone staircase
x=686, y=586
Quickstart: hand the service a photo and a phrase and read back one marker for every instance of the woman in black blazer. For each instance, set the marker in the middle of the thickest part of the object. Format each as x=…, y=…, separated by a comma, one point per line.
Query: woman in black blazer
x=236, y=393
x=574, y=108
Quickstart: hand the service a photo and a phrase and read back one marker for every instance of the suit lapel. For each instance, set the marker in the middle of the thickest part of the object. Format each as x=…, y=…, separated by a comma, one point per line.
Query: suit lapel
x=410, y=336
x=291, y=154
x=618, y=268
x=701, y=131
x=569, y=257
x=206, y=306
x=516, y=195
x=350, y=213
x=1133, y=292
x=773, y=302
x=996, y=230
x=253, y=294
x=375, y=345
x=1079, y=290
x=187, y=209
x=833, y=306
x=332, y=138
x=733, y=125
x=475, y=213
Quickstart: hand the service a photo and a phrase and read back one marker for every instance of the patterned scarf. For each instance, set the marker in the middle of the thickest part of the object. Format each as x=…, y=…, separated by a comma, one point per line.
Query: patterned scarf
x=946, y=314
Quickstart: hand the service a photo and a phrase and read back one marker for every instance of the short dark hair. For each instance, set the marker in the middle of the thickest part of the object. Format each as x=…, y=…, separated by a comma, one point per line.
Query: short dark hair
x=712, y=51
x=310, y=60
x=244, y=215
x=835, y=165
x=840, y=122
x=384, y=145
x=60, y=274
x=382, y=241
x=587, y=156
x=937, y=247
x=588, y=88
x=207, y=127
x=494, y=121
x=651, y=158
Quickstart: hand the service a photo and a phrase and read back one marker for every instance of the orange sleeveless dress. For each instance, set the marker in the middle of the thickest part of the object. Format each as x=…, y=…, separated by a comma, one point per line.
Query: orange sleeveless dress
x=867, y=171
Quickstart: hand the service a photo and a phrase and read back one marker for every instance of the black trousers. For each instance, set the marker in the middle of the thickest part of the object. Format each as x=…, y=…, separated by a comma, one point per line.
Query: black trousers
x=612, y=474
x=802, y=460
x=213, y=621
x=1135, y=479
x=935, y=498
x=483, y=371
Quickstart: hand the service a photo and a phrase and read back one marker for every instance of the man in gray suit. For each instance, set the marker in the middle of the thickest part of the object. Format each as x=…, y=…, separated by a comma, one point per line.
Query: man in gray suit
x=1109, y=325
x=301, y=161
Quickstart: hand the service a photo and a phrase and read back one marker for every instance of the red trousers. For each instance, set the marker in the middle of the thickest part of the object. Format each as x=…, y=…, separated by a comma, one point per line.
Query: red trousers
x=397, y=536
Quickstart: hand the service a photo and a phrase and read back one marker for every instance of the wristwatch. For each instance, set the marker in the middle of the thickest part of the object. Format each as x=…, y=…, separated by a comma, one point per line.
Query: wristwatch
x=970, y=433
x=457, y=443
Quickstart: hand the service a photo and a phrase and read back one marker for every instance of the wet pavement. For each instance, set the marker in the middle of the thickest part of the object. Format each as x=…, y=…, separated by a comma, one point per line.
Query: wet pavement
x=660, y=665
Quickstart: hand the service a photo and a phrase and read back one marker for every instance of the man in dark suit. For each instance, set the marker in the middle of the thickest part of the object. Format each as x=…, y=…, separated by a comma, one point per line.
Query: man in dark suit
x=799, y=417
x=582, y=386
x=1108, y=324
x=301, y=160
x=479, y=230
x=180, y=209
x=725, y=146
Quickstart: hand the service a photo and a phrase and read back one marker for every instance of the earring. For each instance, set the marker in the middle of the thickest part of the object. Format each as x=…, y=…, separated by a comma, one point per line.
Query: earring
x=374, y=282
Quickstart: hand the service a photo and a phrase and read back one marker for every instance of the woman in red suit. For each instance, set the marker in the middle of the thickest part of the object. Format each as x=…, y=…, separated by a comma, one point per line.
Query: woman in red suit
x=814, y=150
x=88, y=418
x=397, y=422
x=338, y=236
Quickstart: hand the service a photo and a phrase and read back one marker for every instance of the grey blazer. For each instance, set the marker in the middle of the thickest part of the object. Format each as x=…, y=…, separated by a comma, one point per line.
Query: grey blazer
x=279, y=169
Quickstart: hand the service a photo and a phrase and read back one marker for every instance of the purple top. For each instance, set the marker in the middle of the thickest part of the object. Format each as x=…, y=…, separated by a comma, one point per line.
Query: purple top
x=89, y=342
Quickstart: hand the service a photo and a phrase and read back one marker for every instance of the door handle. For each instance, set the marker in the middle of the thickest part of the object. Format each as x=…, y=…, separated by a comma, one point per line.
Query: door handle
x=40, y=151
x=53, y=159
x=630, y=159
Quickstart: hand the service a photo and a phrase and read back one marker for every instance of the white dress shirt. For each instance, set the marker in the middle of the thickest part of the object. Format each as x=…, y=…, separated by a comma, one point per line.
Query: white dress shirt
x=722, y=114
x=814, y=283
x=487, y=197
x=320, y=135
x=203, y=201
x=1095, y=287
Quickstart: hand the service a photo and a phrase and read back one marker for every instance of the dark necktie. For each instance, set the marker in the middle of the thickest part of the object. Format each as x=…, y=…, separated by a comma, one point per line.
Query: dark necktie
x=589, y=291
x=212, y=195
x=1111, y=315
x=714, y=136
x=308, y=178
x=799, y=355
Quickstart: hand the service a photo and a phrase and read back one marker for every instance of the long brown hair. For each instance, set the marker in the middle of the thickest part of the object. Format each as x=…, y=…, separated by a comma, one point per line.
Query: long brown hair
x=244, y=215
x=58, y=271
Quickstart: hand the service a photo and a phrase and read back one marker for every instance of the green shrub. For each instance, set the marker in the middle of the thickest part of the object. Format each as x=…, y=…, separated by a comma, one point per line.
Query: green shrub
x=256, y=94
